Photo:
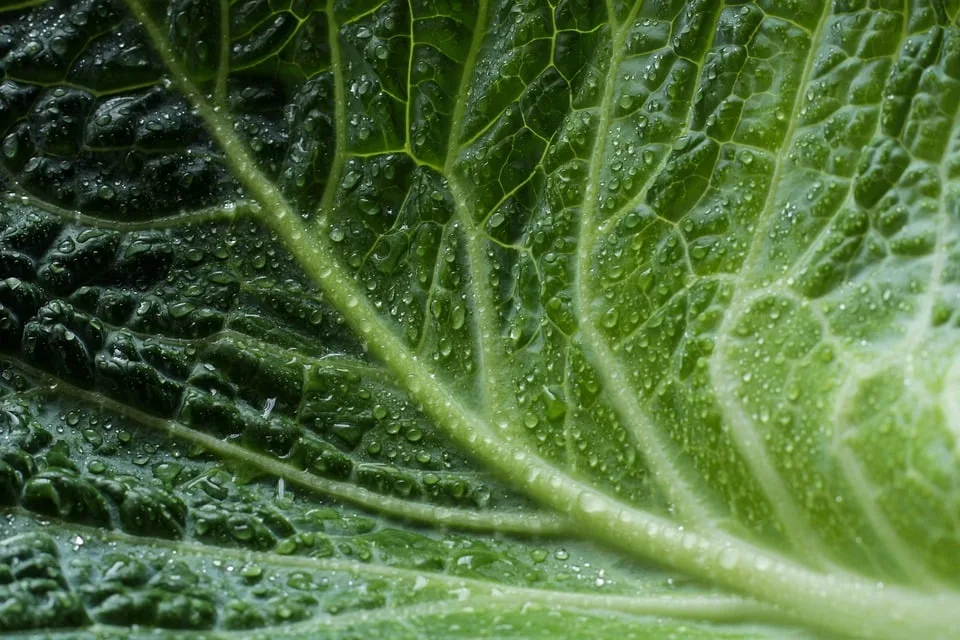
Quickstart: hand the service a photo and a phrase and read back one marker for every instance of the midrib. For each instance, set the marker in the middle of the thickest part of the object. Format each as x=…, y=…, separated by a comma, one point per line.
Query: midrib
x=822, y=601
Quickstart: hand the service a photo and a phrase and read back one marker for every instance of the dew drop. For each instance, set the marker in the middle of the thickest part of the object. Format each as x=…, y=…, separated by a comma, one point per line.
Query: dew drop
x=10, y=145
x=728, y=558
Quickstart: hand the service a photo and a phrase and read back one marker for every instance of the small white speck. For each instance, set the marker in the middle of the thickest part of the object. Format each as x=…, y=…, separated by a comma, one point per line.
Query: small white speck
x=268, y=408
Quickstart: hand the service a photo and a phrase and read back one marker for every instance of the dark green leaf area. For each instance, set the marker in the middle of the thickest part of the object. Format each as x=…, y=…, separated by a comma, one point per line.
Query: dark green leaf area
x=89, y=123
x=191, y=325
x=34, y=593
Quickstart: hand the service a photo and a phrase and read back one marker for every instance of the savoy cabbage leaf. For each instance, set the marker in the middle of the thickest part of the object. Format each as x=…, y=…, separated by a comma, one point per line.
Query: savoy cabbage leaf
x=479, y=318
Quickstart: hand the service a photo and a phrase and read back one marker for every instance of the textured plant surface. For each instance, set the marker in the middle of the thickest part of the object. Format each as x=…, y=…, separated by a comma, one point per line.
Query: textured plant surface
x=508, y=319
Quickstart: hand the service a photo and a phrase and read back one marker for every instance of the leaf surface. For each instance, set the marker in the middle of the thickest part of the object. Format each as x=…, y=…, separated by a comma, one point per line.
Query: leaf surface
x=454, y=319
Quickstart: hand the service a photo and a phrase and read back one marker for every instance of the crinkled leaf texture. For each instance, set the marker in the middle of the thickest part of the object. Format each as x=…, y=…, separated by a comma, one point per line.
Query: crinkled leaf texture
x=479, y=318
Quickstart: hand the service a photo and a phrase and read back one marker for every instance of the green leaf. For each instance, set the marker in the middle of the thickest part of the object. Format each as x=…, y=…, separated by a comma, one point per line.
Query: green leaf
x=453, y=318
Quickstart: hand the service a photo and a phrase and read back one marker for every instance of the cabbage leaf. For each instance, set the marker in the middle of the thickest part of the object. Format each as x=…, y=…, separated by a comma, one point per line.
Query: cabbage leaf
x=479, y=318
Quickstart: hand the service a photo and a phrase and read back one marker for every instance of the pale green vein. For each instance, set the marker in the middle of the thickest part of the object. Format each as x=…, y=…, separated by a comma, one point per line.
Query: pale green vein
x=796, y=526
x=337, y=362
x=270, y=558
x=865, y=493
x=611, y=8
x=923, y=318
x=705, y=606
x=408, y=107
x=629, y=206
x=18, y=6
x=658, y=453
x=223, y=66
x=767, y=211
x=699, y=609
x=949, y=400
x=339, y=117
x=521, y=523
x=867, y=499
x=674, y=298
x=814, y=244
x=820, y=600
x=460, y=107
x=569, y=444
x=491, y=354
x=67, y=84
x=228, y=211
x=448, y=238
x=903, y=356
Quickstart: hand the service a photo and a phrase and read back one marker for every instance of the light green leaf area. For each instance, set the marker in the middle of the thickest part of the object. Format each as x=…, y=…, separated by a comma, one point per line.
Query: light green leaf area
x=479, y=318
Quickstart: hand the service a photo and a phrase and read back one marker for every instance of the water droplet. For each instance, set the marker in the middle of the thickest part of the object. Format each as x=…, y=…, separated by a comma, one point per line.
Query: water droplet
x=729, y=558
x=591, y=503
x=32, y=164
x=457, y=317
x=10, y=145
x=96, y=467
x=59, y=45
x=350, y=180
